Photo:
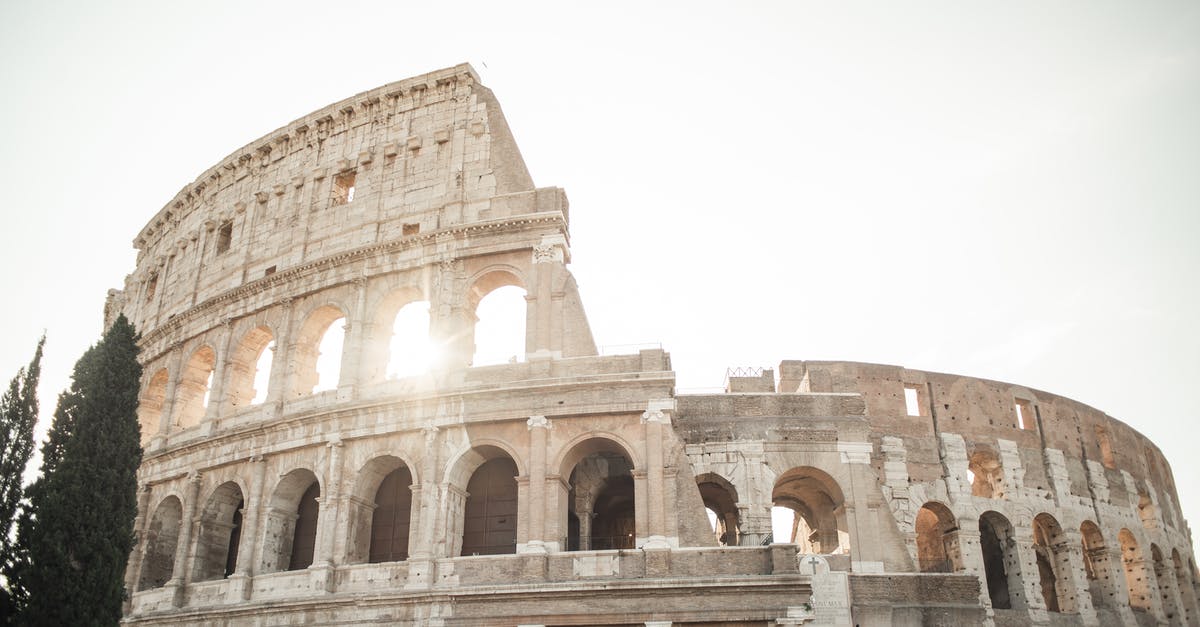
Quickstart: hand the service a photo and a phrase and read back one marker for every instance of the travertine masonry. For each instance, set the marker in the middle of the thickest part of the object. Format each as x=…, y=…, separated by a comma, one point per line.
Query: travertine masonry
x=566, y=487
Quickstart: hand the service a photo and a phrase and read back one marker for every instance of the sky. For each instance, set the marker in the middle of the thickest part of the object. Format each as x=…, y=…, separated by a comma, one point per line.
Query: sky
x=1003, y=190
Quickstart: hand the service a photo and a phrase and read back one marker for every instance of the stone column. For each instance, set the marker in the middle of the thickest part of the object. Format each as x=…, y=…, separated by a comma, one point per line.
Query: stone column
x=540, y=339
x=139, y=553
x=324, y=562
x=168, y=408
x=1020, y=563
x=536, y=509
x=184, y=551
x=220, y=381
x=451, y=321
x=424, y=517
x=242, y=577
x=350, y=376
x=653, y=420
x=972, y=557
x=278, y=388
x=1068, y=554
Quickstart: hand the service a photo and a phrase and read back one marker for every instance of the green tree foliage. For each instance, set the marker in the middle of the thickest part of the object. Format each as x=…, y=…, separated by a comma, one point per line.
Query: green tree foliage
x=78, y=538
x=18, y=415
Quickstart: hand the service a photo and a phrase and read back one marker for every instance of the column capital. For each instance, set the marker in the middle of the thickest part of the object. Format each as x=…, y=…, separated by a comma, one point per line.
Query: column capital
x=538, y=422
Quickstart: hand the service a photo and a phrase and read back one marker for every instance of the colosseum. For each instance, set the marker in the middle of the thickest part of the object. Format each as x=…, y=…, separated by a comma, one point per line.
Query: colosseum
x=566, y=486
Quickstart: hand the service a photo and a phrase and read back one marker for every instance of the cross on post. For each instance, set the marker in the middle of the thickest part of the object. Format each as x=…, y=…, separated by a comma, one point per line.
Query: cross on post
x=814, y=561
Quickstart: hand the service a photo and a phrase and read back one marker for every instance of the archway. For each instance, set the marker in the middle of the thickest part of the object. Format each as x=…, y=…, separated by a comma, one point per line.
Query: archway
x=219, y=536
x=600, y=495
x=985, y=474
x=410, y=349
x=1097, y=565
x=161, y=541
x=1136, y=577
x=938, y=548
x=292, y=517
x=381, y=512
x=497, y=299
x=1052, y=553
x=250, y=368
x=318, y=351
x=819, y=519
x=1001, y=564
x=720, y=498
x=490, y=510
x=1164, y=578
x=150, y=405
x=195, y=382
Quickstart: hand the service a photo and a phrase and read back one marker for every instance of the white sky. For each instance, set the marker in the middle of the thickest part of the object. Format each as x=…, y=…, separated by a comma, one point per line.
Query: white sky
x=1006, y=190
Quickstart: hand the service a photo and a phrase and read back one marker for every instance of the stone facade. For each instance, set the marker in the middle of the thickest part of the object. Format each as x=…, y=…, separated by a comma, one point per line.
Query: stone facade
x=567, y=488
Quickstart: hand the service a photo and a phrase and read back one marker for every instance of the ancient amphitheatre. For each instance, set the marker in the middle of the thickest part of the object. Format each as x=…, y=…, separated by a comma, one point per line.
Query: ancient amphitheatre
x=568, y=487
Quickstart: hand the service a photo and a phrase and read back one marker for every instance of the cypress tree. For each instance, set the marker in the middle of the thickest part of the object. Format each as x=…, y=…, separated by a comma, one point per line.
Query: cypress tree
x=18, y=415
x=78, y=538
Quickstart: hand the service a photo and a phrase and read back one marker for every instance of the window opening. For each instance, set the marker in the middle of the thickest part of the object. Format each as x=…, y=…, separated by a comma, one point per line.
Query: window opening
x=490, y=513
x=911, y=402
x=1106, y=452
x=500, y=330
x=304, y=541
x=343, y=188
x=224, y=236
x=269, y=271
x=1026, y=419
x=410, y=229
x=151, y=287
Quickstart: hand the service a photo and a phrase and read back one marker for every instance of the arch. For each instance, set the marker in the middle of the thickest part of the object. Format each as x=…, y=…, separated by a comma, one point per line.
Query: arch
x=1164, y=578
x=219, y=537
x=720, y=497
x=1134, y=564
x=410, y=346
x=195, y=382
x=1001, y=563
x=381, y=511
x=380, y=334
x=161, y=542
x=592, y=442
x=150, y=405
x=253, y=352
x=1052, y=554
x=600, y=495
x=1097, y=565
x=496, y=297
x=938, y=547
x=1147, y=512
x=317, y=327
x=1184, y=581
x=985, y=473
x=291, y=526
x=819, y=522
x=489, y=505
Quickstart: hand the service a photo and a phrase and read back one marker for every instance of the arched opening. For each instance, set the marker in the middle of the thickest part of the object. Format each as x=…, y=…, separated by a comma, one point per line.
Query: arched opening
x=1001, y=564
x=410, y=350
x=498, y=300
x=1147, y=512
x=318, y=351
x=381, y=512
x=150, y=405
x=291, y=525
x=984, y=473
x=250, y=368
x=219, y=535
x=1187, y=592
x=490, y=509
x=161, y=542
x=819, y=517
x=194, y=384
x=391, y=519
x=1051, y=550
x=600, y=496
x=938, y=548
x=1136, y=577
x=1164, y=577
x=720, y=499
x=1096, y=565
